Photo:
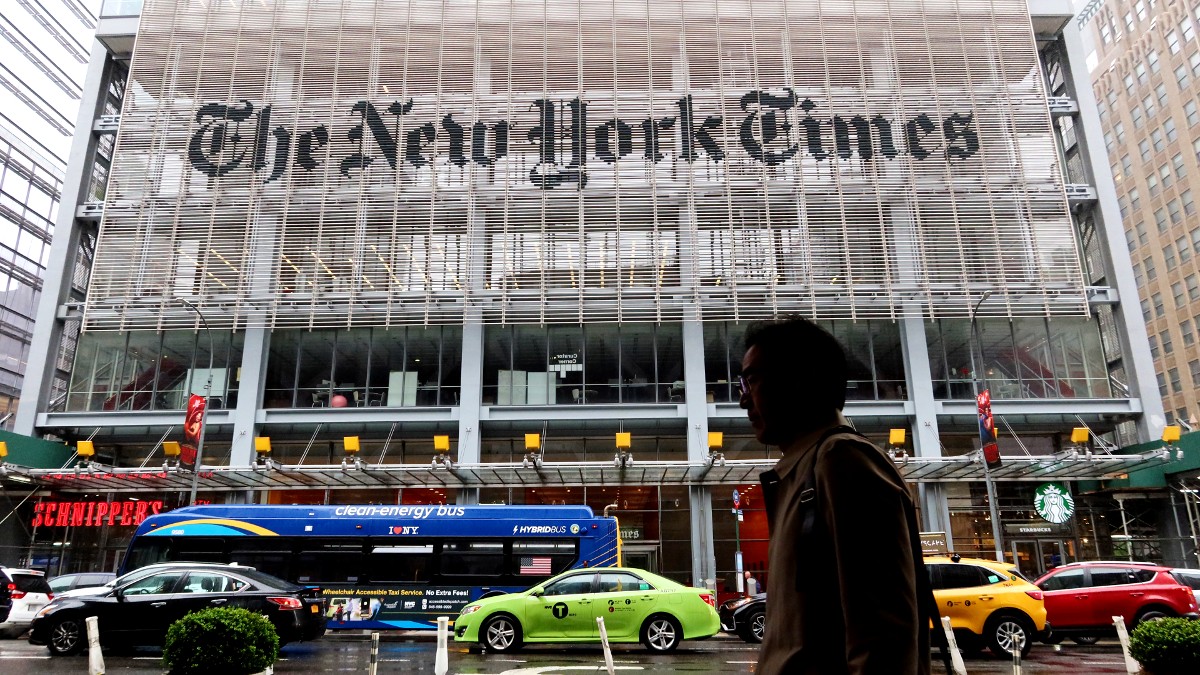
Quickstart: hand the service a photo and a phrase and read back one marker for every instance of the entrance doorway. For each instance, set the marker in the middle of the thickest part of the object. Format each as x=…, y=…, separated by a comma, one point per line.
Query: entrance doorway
x=642, y=556
x=1035, y=556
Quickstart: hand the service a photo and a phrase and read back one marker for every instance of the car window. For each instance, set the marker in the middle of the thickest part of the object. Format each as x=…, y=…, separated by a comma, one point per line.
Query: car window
x=212, y=582
x=579, y=583
x=1063, y=580
x=155, y=584
x=1112, y=576
x=93, y=579
x=616, y=582
x=31, y=583
x=60, y=584
x=960, y=576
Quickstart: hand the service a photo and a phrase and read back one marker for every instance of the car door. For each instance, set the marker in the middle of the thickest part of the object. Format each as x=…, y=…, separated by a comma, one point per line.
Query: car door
x=143, y=608
x=957, y=589
x=563, y=611
x=622, y=600
x=205, y=589
x=1115, y=591
x=1067, y=598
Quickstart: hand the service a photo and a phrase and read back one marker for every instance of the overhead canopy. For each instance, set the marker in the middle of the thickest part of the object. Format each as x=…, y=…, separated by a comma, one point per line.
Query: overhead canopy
x=1063, y=467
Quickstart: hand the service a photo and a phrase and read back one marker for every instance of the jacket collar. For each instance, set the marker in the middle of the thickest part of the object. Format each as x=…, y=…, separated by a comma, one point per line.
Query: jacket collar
x=805, y=444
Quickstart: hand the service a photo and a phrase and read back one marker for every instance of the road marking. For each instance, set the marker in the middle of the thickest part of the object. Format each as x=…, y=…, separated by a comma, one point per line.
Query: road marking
x=23, y=656
x=541, y=669
x=741, y=662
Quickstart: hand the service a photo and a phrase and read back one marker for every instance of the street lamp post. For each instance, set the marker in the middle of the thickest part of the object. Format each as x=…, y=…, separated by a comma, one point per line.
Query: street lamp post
x=993, y=508
x=207, y=395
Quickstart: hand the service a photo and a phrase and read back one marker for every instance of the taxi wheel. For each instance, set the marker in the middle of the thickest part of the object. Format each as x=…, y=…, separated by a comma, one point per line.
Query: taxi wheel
x=1085, y=639
x=753, y=627
x=662, y=633
x=501, y=633
x=1001, y=632
x=66, y=637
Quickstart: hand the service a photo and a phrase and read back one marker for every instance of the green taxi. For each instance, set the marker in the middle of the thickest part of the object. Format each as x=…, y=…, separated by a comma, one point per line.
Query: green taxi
x=637, y=607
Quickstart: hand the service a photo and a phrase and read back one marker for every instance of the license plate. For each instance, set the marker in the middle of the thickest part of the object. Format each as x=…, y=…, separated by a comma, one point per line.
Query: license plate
x=313, y=608
x=33, y=607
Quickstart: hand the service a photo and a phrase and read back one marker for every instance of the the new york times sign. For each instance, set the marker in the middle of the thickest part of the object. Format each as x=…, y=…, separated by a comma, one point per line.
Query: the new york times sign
x=771, y=128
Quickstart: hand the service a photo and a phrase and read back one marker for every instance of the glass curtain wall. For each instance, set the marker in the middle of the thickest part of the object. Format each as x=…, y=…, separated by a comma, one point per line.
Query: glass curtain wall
x=655, y=521
x=592, y=363
x=1021, y=358
x=572, y=447
x=874, y=359
x=388, y=367
x=146, y=370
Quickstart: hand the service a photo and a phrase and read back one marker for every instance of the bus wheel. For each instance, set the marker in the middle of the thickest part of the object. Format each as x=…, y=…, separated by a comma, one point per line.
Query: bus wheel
x=501, y=633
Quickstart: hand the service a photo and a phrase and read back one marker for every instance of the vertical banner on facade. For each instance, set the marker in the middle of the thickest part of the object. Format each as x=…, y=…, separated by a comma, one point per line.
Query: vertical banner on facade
x=192, y=426
x=987, y=430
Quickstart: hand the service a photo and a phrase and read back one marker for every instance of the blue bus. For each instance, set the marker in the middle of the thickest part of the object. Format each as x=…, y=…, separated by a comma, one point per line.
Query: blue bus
x=386, y=566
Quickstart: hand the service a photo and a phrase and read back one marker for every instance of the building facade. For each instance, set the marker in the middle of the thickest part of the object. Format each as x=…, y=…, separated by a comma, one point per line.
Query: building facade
x=1148, y=62
x=44, y=56
x=497, y=221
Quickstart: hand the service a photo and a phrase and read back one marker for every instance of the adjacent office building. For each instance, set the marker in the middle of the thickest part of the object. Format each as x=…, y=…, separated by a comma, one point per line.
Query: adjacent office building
x=42, y=59
x=532, y=227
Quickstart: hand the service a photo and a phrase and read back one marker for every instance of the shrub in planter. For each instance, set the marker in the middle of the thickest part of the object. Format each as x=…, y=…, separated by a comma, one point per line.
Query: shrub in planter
x=1167, y=646
x=221, y=640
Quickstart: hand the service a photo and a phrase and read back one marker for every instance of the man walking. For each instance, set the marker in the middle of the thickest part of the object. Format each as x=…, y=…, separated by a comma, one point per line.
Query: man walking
x=843, y=592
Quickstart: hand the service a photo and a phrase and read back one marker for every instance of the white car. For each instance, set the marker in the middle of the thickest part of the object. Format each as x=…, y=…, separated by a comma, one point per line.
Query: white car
x=23, y=593
x=1189, y=578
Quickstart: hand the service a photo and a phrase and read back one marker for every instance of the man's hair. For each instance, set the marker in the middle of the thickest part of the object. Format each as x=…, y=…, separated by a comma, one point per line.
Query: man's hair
x=801, y=351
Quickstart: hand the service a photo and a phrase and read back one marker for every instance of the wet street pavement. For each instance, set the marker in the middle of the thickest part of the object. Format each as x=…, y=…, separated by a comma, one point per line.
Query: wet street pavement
x=718, y=655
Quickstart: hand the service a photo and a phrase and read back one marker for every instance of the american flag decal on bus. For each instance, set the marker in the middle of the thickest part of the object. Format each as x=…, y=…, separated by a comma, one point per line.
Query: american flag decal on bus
x=535, y=565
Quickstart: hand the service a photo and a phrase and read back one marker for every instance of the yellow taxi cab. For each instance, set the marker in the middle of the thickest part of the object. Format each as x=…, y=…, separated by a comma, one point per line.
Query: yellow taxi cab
x=989, y=603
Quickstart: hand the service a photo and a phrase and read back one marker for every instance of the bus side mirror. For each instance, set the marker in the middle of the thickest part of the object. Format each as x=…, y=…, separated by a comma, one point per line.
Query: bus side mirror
x=537, y=591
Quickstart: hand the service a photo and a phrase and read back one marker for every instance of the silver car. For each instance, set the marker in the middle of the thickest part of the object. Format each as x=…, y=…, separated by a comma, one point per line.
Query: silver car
x=1189, y=578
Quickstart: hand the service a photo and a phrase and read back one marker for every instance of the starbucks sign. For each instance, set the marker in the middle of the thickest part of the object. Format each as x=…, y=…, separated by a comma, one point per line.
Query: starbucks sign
x=1053, y=502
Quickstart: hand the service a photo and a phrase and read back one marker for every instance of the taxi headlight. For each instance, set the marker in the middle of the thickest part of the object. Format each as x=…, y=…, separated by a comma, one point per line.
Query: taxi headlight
x=469, y=609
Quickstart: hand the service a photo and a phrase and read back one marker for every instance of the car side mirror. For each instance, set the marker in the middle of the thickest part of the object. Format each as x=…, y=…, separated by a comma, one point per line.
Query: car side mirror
x=537, y=591
x=119, y=594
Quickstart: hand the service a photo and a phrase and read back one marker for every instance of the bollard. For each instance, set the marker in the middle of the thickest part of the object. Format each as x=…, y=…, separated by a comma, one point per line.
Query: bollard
x=1018, y=644
x=608, y=661
x=374, y=652
x=441, y=662
x=956, y=660
x=1131, y=665
x=95, y=657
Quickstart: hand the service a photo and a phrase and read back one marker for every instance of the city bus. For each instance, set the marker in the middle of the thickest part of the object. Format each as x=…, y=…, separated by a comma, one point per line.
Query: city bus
x=386, y=566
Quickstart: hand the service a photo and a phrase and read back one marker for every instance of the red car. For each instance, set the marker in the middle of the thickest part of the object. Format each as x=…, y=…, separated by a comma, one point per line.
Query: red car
x=1082, y=598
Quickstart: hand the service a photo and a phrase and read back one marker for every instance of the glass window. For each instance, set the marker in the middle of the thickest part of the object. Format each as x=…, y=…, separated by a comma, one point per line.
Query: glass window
x=472, y=558
x=1112, y=576
x=960, y=576
x=1194, y=369
x=1067, y=579
x=1186, y=333
x=329, y=562
x=621, y=582
x=1176, y=381
x=534, y=557
x=575, y=584
x=155, y=584
x=211, y=582
x=411, y=562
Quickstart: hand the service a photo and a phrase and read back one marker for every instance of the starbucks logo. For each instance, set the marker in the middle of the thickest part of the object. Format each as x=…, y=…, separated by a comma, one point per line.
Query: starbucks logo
x=1053, y=503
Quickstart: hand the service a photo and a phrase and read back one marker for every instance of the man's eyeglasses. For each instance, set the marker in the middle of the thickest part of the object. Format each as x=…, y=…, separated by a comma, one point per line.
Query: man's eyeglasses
x=743, y=387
